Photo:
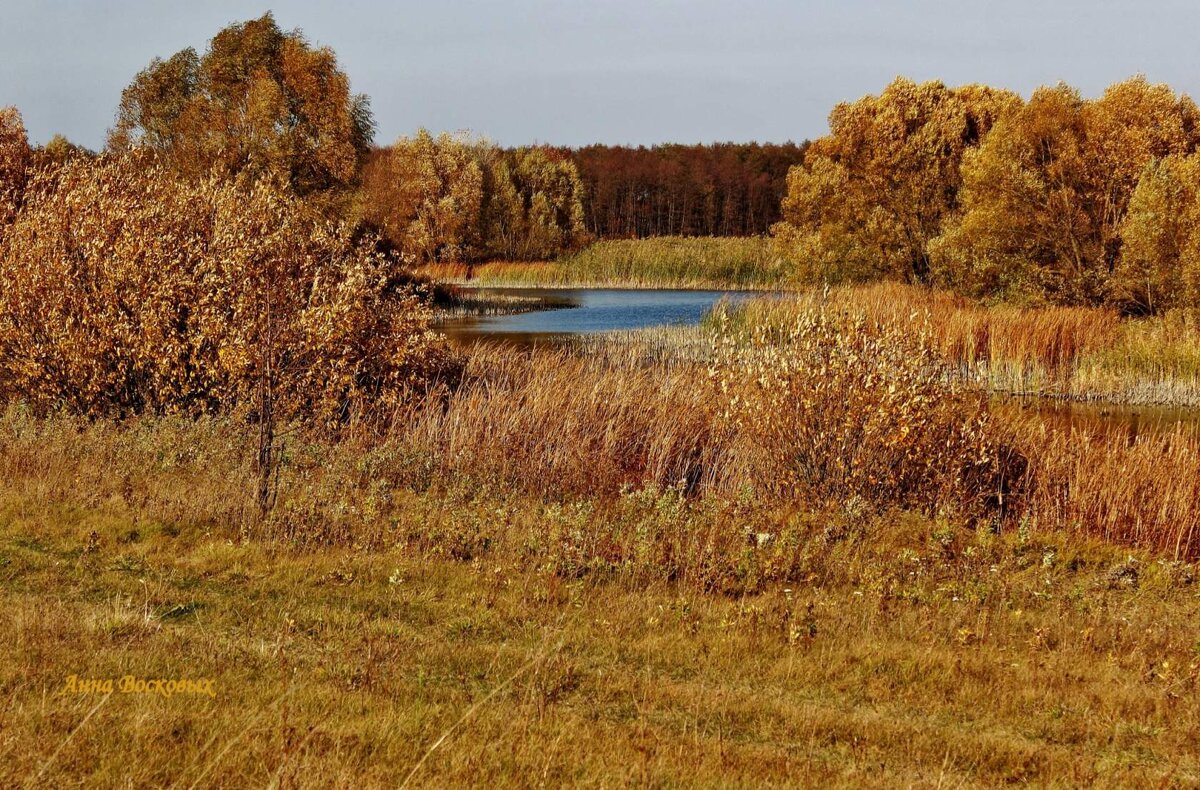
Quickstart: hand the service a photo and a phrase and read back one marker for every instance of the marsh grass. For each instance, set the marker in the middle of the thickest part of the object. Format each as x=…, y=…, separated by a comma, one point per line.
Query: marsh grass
x=1062, y=352
x=727, y=263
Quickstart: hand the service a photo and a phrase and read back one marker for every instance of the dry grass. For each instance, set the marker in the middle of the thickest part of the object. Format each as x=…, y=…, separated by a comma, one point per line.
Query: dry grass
x=874, y=651
x=1068, y=352
x=587, y=569
x=965, y=333
x=1139, y=490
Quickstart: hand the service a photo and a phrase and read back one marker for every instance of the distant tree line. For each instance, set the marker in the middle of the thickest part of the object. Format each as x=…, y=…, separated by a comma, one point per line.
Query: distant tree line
x=724, y=189
x=1057, y=199
x=452, y=198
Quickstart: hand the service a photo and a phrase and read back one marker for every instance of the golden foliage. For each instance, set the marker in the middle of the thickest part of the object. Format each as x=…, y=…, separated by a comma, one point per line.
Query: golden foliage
x=1045, y=196
x=260, y=101
x=425, y=195
x=872, y=193
x=15, y=157
x=452, y=199
x=1160, y=264
x=125, y=288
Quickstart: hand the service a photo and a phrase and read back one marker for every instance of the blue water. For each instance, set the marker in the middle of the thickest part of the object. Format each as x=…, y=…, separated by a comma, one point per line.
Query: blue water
x=578, y=311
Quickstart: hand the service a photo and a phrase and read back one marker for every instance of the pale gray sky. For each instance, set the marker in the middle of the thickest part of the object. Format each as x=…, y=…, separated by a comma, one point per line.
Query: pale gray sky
x=614, y=71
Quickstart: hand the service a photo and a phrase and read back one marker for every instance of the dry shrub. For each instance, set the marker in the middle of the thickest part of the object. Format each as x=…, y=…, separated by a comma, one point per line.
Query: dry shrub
x=124, y=288
x=846, y=409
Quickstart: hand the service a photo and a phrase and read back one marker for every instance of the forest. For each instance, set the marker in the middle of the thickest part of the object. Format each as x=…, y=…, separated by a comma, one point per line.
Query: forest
x=722, y=189
x=912, y=502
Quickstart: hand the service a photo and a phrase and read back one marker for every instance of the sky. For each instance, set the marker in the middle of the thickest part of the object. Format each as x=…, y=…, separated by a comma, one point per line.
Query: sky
x=575, y=72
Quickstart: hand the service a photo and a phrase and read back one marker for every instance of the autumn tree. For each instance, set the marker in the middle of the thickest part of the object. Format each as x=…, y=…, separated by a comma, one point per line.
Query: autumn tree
x=721, y=189
x=15, y=156
x=548, y=211
x=259, y=101
x=125, y=288
x=57, y=151
x=1159, y=267
x=1045, y=196
x=871, y=195
x=452, y=198
x=425, y=194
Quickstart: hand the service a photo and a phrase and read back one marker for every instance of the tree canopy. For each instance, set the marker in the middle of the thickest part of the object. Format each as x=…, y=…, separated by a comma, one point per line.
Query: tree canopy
x=260, y=101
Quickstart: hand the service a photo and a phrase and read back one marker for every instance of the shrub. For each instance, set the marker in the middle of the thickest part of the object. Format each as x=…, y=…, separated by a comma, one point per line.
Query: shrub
x=124, y=288
x=843, y=410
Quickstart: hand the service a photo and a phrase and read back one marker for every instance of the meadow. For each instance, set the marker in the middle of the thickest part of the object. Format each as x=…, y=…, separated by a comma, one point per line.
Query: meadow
x=260, y=524
x=583, y=568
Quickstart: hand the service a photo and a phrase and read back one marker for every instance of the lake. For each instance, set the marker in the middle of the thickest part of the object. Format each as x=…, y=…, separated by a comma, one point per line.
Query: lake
x=581, y=311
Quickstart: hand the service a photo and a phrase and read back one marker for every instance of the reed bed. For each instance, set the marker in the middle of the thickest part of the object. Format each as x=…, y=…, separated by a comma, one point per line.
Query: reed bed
x=1063, y=352
x=1133, y=489
x=558, y=423
x=457, y=303
x=967, y=334
x=735, y=263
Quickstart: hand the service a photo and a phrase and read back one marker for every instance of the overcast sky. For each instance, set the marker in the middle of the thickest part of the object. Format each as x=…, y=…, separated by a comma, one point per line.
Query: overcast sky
x=613, y=71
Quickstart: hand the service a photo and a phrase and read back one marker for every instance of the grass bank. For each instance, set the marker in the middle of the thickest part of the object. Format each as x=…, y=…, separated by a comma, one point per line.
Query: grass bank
x=727, y=263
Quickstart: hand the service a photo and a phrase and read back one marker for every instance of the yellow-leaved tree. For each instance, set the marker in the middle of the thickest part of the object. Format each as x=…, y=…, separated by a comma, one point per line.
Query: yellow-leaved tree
x=1159, y=267
x=15, y=157
x=425, y=194
x=872, y=193
x=452, y=198
x=1044, y=197
x=260, y=101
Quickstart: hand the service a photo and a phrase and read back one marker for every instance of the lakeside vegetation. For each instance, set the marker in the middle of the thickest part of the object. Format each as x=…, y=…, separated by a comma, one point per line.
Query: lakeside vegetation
x=1077, y=353
x=709, y=263
x=799, y=542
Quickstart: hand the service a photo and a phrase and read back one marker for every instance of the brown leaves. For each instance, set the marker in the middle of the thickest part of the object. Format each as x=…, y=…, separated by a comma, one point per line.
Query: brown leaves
x=124, y=288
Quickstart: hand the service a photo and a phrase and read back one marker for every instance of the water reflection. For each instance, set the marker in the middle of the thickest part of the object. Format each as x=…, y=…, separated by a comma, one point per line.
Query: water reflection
x=1107, y=418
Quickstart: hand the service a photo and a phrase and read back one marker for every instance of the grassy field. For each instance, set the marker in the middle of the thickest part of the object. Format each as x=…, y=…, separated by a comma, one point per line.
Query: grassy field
x=664, y=262
x=806, y=550
x=458, y=635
